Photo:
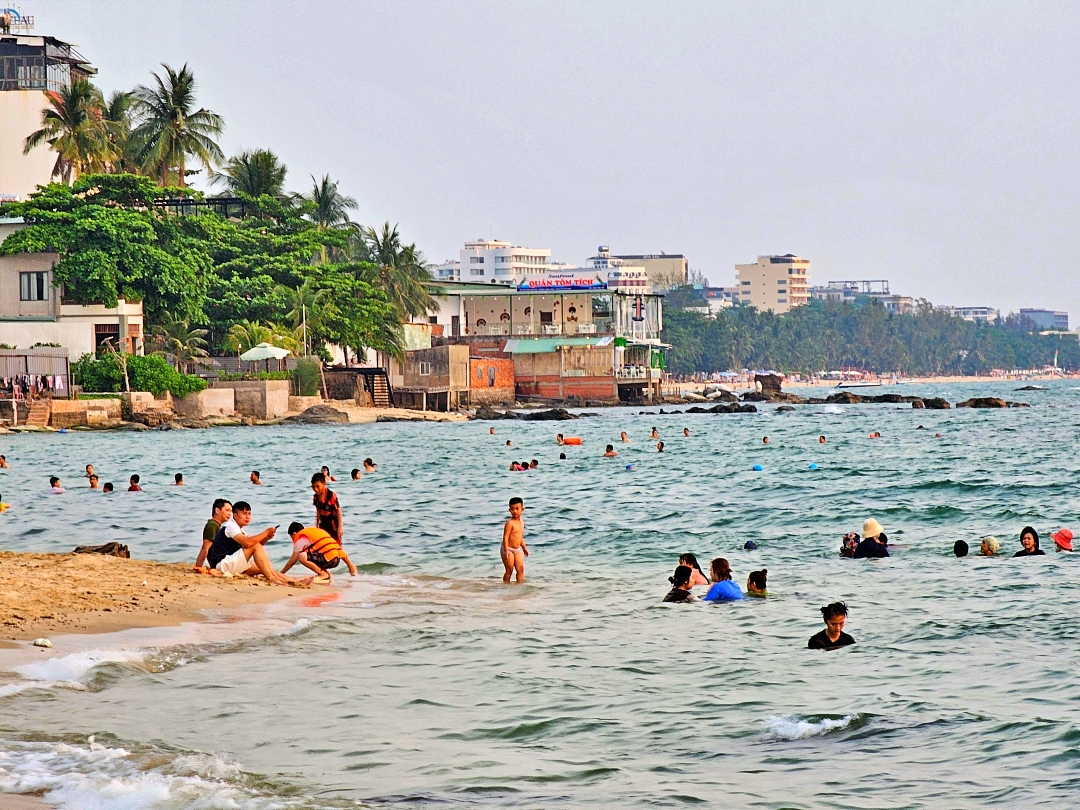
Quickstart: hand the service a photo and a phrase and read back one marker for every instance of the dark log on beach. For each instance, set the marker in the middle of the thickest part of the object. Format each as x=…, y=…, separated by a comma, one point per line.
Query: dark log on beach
x=319, y=415
x=113, y=549
x=983, y=402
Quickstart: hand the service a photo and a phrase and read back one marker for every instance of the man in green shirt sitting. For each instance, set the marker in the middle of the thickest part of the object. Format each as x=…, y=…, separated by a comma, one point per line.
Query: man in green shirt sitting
x=222, y=511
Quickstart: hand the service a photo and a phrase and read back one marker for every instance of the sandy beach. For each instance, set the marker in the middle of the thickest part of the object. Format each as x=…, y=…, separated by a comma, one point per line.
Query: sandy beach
x=92, y=593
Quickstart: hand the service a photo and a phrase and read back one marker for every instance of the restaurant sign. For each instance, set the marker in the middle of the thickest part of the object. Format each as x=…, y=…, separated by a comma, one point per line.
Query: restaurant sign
x=563, y=281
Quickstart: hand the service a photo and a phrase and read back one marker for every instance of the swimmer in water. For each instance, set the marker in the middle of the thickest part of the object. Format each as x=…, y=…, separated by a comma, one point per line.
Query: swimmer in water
x=559, y=439
x=680, y=585
x=93, y=482
x=821, y=440
x=89, y=470
x=875, y=435
x=757, y=583
x=178, y=480
x=509, y=443
x=659, y=447
x=514, y=466
x=326, y=472
x=655, y=434
x=765, y=440
x=723, y=588
x=491, y=431
x=686, y=431
x=960, y=548
x=513, y=549
x=355, y=474
x=610, y=452
x=562, y=456
x=370, y=466
x=534, y=464
x=254, y=478
x=698, y=577
x=4, y=464
x=937, y=435
x=833, y=636
x=989, y=546
x=1062, y=540
x=623, y=438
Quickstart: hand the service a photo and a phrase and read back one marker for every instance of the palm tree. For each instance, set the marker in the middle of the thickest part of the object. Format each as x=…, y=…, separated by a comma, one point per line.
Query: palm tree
x=171, y=130
x=245, y=335
x=331, y=206
x=400, y=271
x=116, y=114
x=254, y=173
x=72, y=125
x=176, y=337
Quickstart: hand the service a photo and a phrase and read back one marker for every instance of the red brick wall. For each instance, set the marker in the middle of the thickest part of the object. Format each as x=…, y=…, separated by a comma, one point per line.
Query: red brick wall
x=481, y=392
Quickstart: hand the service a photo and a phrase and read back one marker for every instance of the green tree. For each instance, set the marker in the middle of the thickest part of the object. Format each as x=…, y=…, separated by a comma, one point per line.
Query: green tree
x=176, y=337
x=400, y=271
x=74, y=128
x=330, y=207
x=170, y=129
x=117, y=116
x=254, y=173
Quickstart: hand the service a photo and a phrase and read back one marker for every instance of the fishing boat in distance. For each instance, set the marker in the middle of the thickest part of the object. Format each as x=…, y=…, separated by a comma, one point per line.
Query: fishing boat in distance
x=859, y=385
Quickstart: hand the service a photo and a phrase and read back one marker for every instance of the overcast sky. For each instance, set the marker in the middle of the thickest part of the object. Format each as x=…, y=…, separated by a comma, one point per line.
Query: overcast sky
x=932, y=144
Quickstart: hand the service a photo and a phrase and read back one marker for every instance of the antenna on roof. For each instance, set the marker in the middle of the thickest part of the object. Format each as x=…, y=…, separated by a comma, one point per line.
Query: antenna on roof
x=12, y=19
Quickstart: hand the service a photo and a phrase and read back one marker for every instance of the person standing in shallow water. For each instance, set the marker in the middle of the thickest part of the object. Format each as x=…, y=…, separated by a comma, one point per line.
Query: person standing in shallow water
x=1029, y=539
x=833, y=636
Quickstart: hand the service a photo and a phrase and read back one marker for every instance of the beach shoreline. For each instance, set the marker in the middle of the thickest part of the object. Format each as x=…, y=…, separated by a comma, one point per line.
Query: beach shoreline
x=45, y=594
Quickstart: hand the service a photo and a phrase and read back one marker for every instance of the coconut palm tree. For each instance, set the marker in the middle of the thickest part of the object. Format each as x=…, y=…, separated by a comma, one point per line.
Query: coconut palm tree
x=116, y=114
x=245, y=335
x=176, y=337
x=171, y=129
x=254, y=173
x=331, y=207
x=73, y=127
x=400, y=271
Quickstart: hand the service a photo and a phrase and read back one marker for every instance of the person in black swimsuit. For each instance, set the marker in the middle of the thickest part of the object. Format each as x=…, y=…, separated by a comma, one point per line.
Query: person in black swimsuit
x=680, y=586
x=833, y=636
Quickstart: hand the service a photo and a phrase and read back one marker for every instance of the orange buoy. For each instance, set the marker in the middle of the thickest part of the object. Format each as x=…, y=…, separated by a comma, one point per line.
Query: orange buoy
x=571, y=440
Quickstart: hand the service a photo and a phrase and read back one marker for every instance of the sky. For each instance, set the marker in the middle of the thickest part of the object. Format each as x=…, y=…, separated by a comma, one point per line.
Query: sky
x=931, y=144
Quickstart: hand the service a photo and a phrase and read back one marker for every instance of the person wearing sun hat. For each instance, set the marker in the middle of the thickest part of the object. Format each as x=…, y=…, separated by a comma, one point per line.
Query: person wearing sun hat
x=1062, y=539
x=871, y=545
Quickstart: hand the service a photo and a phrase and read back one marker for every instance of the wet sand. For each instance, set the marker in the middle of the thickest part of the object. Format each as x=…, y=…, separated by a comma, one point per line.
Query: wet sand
x=11, y=801
x=43, y=594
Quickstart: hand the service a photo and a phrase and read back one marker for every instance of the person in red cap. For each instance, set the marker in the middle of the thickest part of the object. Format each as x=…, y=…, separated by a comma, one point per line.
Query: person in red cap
x=1062, y=540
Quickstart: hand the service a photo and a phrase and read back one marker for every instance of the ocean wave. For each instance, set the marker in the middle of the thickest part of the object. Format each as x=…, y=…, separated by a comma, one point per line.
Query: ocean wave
x=92, y=775
x=796, y=727
x=73, y=667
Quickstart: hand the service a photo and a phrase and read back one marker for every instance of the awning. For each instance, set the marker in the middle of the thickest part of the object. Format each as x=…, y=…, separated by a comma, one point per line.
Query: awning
x=552, y=344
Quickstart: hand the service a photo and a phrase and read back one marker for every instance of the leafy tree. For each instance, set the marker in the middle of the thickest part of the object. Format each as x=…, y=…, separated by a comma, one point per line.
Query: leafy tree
x=170, y=129
x=254, y=173
x=330, y=207
x=116, y=114
x=112, y=243
x=74, y=128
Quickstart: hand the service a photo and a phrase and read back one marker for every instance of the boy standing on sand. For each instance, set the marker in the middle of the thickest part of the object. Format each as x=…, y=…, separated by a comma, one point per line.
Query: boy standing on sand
x=513, y=549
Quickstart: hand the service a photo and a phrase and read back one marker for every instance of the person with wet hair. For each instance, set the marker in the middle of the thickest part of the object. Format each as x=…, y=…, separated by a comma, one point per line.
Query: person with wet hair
x=757, y=583
x=960, y=548
x=680, y=585
x=698, y=576
x=833, y=636
x=989, y=546
x=723, y=589
x=1029, y=539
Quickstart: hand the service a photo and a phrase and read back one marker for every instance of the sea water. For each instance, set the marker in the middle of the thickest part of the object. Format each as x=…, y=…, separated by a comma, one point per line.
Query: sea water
x=430, y=683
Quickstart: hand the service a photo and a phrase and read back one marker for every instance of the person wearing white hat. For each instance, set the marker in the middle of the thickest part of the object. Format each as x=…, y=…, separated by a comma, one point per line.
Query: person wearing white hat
x=871, y=545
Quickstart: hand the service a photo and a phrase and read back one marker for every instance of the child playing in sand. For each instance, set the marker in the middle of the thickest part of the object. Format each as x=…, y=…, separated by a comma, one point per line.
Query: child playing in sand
x=315, y=549
x=513, y=550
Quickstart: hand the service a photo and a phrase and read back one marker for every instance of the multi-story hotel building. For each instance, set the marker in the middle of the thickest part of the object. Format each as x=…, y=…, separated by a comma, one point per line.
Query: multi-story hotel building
x=776, y=283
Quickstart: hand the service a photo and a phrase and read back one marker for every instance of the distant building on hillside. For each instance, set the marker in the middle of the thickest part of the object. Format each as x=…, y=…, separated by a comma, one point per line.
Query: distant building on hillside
x=977, y=314
x=621, y=274
x=850, y=291
x=1046, y=318
x=776, y=283
x=30, y=67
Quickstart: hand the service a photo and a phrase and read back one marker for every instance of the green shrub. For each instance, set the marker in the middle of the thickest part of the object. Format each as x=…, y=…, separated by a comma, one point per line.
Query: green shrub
x=224, y=376
x=154, y=374
x=104, y=375
x=307, y=377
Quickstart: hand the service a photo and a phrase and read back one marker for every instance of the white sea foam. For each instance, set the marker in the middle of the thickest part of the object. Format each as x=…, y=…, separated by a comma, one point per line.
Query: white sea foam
x=832, y=409
x=97, y=777
x=73, y=667
x=793, y=727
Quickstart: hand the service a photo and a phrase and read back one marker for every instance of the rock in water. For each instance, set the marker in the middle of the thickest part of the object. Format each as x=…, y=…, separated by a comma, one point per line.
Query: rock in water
x=319, y=415
x=982, y=402
x=936, y=404
x=553, y=415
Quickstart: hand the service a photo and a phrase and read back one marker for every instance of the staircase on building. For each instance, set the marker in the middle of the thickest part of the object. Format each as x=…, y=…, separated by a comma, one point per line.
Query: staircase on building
x=40, y=411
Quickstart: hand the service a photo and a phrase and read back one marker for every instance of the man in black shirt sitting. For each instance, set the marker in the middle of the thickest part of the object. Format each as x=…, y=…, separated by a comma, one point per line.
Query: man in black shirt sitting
x=833, y=636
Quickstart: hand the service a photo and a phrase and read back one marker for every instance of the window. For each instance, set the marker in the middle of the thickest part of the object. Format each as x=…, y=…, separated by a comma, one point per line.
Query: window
x=781, y=300
x=32, y=287
x=433, y=319
x=476, y=271
x=502, y=260
x=425, y=369
x=746, y=283
x=476, y=260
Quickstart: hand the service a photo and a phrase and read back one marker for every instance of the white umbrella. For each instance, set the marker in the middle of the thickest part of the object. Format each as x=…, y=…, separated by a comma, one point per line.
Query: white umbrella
x=264, y=351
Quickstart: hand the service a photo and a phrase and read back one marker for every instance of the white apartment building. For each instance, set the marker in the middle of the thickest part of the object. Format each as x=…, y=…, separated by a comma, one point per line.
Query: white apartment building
x=977, y=314
x=775, y=283
x=30, y=68
x=495, y=262
x=623, y=275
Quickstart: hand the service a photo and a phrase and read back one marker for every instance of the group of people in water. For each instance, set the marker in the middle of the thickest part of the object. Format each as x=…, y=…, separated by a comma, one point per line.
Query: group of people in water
x=989, y=546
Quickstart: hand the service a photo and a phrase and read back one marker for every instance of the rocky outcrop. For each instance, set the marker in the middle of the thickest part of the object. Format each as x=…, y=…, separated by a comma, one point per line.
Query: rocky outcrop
x=936, y=404
x=723, y=407
x=319, y=415
x=552, y=415
x=983, y=402
x=774, y=396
